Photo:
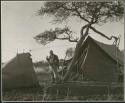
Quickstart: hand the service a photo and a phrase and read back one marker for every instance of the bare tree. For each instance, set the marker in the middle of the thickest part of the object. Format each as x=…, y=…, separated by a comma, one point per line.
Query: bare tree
x=92, y=13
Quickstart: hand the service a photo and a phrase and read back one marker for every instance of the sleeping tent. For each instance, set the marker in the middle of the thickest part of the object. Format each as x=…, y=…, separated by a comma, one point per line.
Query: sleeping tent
x=96, y=61
x=19, y=73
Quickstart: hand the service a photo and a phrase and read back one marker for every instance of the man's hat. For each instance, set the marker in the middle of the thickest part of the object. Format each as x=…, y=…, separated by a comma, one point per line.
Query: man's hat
x=51, y=51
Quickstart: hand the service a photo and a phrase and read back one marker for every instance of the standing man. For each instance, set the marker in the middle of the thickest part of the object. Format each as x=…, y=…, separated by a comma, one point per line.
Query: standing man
x=54, y=63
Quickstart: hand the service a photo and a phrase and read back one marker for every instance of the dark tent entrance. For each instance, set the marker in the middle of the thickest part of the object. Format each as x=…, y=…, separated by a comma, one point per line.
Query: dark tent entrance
x=96, y=62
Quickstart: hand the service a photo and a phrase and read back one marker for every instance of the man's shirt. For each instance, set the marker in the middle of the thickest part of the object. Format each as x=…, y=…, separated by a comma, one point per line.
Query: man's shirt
x=53, y=59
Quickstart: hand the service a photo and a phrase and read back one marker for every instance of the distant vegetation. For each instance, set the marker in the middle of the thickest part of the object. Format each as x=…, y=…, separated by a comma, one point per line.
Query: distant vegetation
x=40, y=63
x=45, y=63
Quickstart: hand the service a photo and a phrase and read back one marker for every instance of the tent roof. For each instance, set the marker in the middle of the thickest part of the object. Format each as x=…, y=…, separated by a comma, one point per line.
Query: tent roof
x=20, y=55
x=111, y=50
x=24, y=54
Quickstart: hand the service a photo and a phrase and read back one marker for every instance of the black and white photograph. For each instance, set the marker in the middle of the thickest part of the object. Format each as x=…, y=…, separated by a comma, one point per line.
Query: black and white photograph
x=62, y=50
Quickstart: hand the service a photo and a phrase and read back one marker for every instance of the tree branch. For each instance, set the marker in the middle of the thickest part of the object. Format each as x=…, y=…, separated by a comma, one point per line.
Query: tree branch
x=67, y=38
x=82, y=29
x=87, y=26
x=109, y=38
x=81, y=15
x=76, y=10
x=78, y=13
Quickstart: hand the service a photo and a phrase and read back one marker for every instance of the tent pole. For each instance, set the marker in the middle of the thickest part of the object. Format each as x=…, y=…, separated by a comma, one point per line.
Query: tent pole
x=63, y=65
x=84, y=59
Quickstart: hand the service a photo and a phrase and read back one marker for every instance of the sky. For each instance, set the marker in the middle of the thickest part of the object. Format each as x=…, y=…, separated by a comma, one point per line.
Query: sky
x=19, y=24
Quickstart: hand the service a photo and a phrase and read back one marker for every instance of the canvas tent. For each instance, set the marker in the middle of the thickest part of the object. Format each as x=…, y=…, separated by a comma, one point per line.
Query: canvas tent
x=19, y=73
x=96, y=61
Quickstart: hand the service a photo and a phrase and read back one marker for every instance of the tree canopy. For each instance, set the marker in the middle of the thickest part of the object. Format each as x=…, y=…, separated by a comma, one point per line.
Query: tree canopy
x=99, y=11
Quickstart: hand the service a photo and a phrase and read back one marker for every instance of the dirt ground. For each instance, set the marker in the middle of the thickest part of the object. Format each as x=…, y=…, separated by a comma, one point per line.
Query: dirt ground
x=37, y=94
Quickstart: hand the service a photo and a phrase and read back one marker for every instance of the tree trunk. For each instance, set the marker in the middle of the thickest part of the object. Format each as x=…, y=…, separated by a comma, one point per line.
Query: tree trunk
x=77, y=49
x=75, y=57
